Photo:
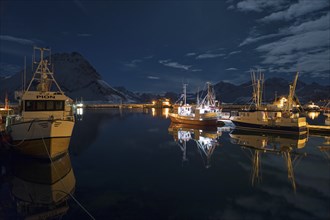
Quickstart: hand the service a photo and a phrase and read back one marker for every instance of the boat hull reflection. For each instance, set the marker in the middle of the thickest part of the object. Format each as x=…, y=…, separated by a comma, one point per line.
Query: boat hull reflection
x=41, y=188
x=43, y=148
x=280, y=144
x=261, y=139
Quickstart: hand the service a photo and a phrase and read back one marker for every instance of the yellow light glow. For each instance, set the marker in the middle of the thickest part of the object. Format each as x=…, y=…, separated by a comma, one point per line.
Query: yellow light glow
x=153, y=111
x=165, y=112
x=313, y=115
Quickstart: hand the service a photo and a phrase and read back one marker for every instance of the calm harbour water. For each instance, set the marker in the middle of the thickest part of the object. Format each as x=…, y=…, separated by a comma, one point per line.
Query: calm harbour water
x=131, y=164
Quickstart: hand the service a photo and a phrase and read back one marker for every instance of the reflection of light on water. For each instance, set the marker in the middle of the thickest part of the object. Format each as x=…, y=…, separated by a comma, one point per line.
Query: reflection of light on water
x=313, y=115
x=80, y=111
x=165, y=112
x=153, y=110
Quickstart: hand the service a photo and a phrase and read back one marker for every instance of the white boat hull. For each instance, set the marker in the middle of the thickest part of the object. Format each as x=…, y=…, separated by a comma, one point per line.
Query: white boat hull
x=41, y=129
x=258, y=120
x=42, y=138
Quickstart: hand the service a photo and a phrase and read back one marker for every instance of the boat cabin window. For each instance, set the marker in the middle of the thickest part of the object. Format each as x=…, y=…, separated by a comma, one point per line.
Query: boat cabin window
x=36, y=105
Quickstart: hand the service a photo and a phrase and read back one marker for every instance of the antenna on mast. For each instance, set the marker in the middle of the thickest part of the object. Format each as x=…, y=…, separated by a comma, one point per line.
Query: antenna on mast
x=42, y=74
x=24, y=76
x=197, y=96
x=185, y=93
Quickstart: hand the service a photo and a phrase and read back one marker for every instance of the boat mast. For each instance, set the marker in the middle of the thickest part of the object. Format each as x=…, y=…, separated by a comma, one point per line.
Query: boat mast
x=6, y=102
x=292, y=89
x=209, y=94
x=46, y=76
x=197, y=96
x=257, y=83
x=185, y=93
x=24, y=78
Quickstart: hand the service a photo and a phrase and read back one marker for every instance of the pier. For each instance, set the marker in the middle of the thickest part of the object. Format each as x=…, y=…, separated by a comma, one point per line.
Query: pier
x=119, y=106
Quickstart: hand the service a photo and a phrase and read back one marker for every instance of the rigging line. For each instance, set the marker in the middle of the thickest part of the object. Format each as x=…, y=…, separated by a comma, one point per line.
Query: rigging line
x=25, y=136
x=79, y=204
x=200, y=153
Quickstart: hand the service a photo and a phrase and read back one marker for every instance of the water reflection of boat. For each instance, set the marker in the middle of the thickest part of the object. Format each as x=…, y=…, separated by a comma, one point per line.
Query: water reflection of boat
x=325, y=147
x=44, y=148
x=40, y=188
x=206, y=139
x=279, y=144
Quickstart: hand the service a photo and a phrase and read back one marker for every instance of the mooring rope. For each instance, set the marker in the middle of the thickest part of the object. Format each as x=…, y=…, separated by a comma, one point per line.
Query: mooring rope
x=68, y=192
x=22, y=141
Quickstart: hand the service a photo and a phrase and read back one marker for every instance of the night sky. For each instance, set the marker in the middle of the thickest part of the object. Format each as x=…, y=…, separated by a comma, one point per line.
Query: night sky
x=158, y=45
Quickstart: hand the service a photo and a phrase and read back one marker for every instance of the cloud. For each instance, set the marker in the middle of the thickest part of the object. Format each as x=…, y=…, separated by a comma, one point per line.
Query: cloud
x=196, y=70
x=259, y=5
x=153, y=77
x=231, y=7
x=133, y=63
x=316, y=63
x=318, y=23
x=321, y=23
x=17, y=40
x=305, y=52
x=300, y=8
x=302, y=45
x=8, y=69
x=210, y=55
x=303, y=41
x=231, y=69
x=174, y=64
x=191, y=54
x=234, y=52
x=82, y=8
x=84, y=35
x=253, y=39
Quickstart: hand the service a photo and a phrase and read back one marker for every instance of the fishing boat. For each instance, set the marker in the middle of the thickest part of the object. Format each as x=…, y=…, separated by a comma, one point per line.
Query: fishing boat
x=45, y=111
x=259, y=117
x=206, y=113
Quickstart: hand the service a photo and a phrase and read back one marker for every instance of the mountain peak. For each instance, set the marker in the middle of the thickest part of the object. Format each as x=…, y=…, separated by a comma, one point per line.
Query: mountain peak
x=76, y=77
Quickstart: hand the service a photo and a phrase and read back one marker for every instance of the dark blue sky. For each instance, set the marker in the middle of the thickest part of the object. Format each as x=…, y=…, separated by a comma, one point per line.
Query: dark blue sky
x=157, y=45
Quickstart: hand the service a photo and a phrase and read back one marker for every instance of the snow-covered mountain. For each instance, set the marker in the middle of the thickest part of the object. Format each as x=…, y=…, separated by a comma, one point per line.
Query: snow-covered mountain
x=76, y=77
